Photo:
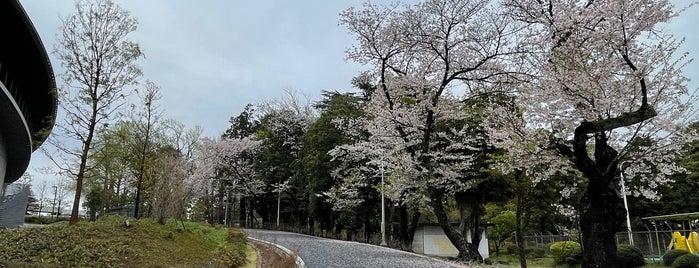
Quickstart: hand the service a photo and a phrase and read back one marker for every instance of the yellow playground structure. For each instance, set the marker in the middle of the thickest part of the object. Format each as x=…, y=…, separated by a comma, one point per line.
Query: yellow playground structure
x=690, y=243
x=686, y=237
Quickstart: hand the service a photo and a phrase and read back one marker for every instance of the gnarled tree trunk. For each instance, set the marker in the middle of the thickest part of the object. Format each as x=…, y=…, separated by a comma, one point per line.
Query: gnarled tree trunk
x=467, y=251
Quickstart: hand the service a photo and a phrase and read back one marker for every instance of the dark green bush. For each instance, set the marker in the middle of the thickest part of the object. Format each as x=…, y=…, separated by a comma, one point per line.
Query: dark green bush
x=628, y=256
x=535, y=252
x=561, y=251
x=511, y=249
x=43, y=220
x=531, y=252
x=575, y=258
x=686, y=261
x=671, y=255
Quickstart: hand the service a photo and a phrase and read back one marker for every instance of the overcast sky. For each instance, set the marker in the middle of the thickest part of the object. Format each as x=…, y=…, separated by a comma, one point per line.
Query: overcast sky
x=212, y=57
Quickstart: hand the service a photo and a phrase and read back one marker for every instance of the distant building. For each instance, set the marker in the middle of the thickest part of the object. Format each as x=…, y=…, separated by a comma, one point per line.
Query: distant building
x=28, y=97
x=127, y=211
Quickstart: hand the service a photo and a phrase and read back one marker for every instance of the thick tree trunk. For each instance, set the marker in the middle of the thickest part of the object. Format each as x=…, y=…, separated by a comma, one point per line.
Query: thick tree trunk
x=403, y=237
x=413, y=225
x=601, y=210
x=242, y=217
x=367, y=230
x=600, y=219
x=519, y=236
x=467, y=251
x=407, y=226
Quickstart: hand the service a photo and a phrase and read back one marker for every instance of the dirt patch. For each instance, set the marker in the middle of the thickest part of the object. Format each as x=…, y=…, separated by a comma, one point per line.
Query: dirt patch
x=272, y=257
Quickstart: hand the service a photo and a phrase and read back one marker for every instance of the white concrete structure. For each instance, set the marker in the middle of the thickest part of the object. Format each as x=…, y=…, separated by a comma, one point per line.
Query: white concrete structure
x=431, y=240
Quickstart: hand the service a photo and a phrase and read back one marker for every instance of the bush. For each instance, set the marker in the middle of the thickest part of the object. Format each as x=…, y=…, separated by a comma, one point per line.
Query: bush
x=511, y=249
x=563, y=250
x=672, y=255
x=230, y=255
x=628, y=256
x=575, y=258
x=686, y=261
x=43, y=220
x=535, y=252
x=531, y=252
x=237, y=236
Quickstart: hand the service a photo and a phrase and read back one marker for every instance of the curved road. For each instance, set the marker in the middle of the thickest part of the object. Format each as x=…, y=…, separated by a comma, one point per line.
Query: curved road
x=319, y=252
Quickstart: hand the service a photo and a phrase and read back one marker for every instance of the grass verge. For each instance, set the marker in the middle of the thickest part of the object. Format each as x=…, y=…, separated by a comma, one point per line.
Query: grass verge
x=108, y=243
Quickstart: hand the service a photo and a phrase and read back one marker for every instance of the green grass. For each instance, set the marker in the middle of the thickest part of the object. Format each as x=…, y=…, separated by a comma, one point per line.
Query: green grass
x=107, y=243
x=508, y=260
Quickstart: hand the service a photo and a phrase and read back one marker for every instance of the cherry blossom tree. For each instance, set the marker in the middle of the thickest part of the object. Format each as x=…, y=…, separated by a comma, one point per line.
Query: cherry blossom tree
x=428, y=58
x=227, y=165
x=602, y=75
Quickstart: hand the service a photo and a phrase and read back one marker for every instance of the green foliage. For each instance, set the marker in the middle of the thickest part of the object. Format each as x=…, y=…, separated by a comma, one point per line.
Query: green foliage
x=679, y=196
x=672, y=255
x=503, y=225
x=575, y=258
x=232, y=254
x=563, y=250
x=531, y=252
x=628, y=256
x=43, y=220
x=511, y=249
x=535, y=252
x=686, y=261
x=107, y=243
x=321, y=137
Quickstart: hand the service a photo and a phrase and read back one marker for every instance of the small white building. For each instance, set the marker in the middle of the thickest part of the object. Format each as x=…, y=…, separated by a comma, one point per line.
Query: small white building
x=431, y=240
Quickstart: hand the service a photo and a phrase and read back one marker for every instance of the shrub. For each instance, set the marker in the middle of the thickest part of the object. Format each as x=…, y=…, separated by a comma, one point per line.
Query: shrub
x=560, y=251
x=531, y=252
x=575, y=258
x=511, y=249
x=230, y=255
x=43, y=220
x=535, y=252
x=686, y=261
x=672, y=255
x=628, y=256
x=237, y=236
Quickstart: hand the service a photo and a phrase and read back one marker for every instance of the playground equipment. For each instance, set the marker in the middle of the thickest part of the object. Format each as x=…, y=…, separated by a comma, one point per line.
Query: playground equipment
x=690, y=242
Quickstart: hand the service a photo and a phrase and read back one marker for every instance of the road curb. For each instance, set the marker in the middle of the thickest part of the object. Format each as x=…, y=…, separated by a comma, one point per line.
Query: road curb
x=299, y=261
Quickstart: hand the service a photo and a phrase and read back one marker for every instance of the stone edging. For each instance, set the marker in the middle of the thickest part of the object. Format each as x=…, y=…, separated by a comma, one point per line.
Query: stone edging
x=299, y=261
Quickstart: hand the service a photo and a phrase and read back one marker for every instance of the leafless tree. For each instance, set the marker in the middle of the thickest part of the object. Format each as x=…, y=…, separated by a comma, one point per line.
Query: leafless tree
x=100, y=67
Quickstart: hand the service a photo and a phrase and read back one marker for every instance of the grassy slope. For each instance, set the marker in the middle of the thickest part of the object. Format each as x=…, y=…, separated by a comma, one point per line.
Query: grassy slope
x=107, y=243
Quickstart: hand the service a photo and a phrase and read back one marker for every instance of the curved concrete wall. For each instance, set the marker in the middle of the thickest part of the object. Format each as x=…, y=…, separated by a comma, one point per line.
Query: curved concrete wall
x=3, y=164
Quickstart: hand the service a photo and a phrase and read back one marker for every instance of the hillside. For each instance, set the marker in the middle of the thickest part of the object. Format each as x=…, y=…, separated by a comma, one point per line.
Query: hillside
x=108, y=243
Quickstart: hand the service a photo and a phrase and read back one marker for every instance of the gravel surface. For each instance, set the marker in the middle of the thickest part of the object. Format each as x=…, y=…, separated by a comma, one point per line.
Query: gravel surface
x=326, y=253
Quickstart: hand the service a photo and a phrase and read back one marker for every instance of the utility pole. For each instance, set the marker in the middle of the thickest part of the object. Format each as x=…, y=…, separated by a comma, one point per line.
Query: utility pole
x=383, y=213
x=55, y=194
x=226, y=199
x=279, y=188
x=626, y=205
x=279, y=203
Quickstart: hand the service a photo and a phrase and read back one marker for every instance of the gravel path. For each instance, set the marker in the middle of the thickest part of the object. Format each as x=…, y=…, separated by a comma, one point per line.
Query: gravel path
x=326, y=253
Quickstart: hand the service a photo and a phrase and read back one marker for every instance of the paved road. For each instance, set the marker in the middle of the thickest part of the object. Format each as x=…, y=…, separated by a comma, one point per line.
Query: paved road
x=326, y=253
